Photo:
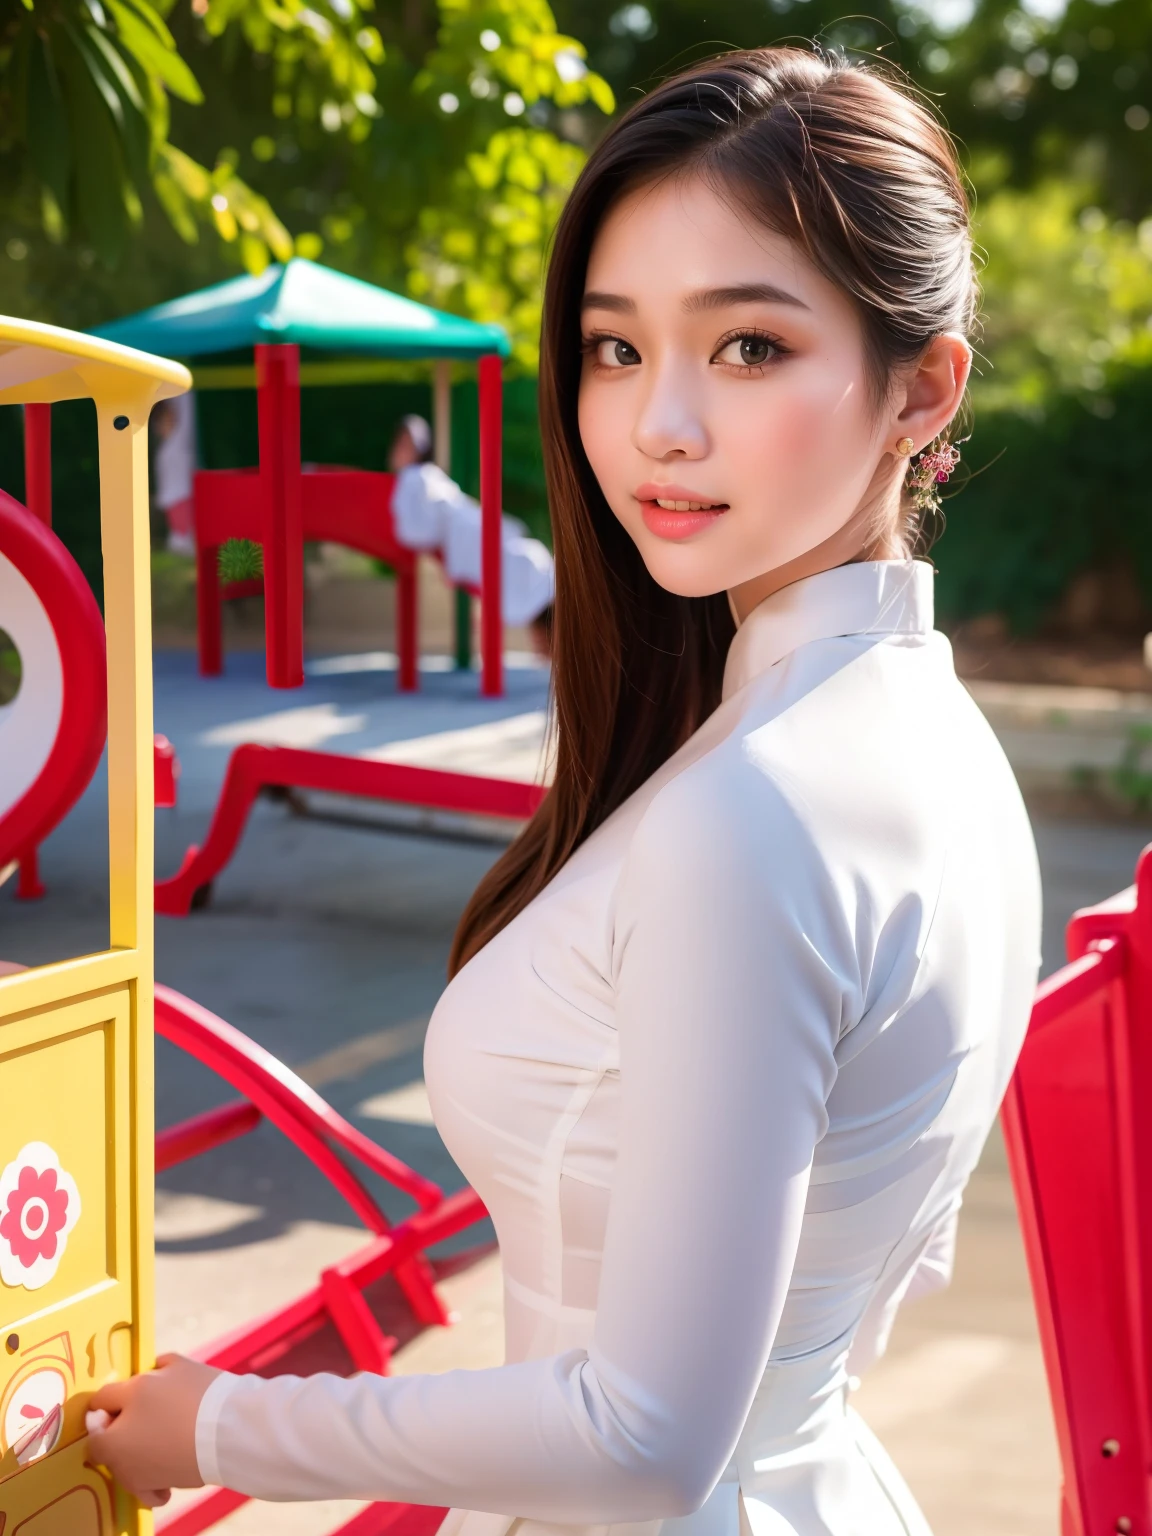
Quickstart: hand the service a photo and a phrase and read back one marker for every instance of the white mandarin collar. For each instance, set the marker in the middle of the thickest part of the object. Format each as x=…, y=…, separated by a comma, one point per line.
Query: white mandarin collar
x=868, y=597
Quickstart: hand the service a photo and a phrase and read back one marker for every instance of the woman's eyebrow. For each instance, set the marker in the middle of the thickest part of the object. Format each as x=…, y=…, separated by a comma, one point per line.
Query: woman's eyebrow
x=614, y=301
x=739, y=293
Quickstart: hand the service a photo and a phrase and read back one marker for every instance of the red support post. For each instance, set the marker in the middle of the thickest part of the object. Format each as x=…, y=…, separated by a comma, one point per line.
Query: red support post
x=491, y=603
x=38, y=462
x=209, y=635
x=278, y=411
x=29, y=886
x=407, y=627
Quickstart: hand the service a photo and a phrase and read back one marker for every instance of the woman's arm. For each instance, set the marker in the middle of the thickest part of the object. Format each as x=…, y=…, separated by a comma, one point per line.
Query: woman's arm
x=729, y=1007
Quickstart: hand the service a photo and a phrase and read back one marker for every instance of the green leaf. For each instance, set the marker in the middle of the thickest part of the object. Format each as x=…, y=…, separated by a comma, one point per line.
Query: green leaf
x=152, y=18
x=98, y=178
x=50, y=150
x=141, y=41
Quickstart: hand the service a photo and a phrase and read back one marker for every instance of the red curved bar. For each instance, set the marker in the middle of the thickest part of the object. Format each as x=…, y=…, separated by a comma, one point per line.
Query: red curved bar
x=203, y=1132
x=252, y=768
x=290, y=1104
x=274, y=1091
x=75, y=618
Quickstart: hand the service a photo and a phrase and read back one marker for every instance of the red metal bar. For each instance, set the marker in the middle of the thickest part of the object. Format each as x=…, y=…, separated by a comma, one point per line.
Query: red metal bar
x=209, y=633
x=370, y=1348
x=237, y=1350
x=205, y=1510
x=253, y=767
x=38, y=462
x=394, y=1520
x=165, y=772
x=491, y=510
x=177, y=1143
x=407, y=629
x=278, y=410
x=29, y=886
x=290, y=1104
x=1075, y=984
x=241, y=1348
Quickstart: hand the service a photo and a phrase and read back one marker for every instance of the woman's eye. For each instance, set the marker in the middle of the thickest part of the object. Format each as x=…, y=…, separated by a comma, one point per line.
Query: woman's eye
x=611, y=352
x=747, y=351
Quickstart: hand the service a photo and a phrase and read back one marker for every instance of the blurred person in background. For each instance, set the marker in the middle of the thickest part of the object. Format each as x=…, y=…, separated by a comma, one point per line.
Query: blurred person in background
x=173, y=466
x=431, y=513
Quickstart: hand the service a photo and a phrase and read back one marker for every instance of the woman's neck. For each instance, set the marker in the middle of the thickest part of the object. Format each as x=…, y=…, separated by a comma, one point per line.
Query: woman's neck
x=856, y=541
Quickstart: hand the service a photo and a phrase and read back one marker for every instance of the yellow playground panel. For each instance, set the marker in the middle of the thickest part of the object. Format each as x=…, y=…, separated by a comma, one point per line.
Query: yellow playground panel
x=76, y=1095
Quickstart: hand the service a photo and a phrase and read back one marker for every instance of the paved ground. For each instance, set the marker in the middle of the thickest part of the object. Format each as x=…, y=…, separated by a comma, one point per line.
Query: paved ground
x=328, y=946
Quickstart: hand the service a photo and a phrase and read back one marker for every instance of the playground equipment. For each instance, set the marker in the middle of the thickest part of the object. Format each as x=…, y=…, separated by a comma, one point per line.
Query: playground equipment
x=271, y=1091
x=76, y=1052
x=52, y=619
x=76, y=1140
x=1080, y=1150
x=52, y=732
x=280, y=504
x=253, y=769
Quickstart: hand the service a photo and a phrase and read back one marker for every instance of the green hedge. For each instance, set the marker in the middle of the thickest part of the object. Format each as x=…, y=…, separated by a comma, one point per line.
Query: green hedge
x=1047, y=499
x=1050, y=498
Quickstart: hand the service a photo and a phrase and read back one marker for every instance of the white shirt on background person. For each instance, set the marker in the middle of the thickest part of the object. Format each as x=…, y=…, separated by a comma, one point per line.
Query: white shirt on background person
x=431, y=513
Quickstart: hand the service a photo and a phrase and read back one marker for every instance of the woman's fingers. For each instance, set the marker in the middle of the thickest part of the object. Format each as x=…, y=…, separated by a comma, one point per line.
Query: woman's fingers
x=144, y=1430
x=114, y=1396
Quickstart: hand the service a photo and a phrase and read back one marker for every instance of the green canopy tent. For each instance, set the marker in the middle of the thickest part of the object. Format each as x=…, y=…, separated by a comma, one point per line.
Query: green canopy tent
x=335, y=317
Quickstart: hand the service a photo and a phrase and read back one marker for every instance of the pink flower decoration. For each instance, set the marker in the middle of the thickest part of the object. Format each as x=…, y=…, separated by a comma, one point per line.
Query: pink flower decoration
x=39, y=1206
x=36, y=1214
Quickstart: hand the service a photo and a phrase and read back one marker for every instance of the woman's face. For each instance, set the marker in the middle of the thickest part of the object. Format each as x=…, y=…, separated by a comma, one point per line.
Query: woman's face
x=724, y=405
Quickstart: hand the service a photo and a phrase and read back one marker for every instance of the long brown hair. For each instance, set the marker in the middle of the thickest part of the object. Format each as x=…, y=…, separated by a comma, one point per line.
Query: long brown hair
x=860, y=174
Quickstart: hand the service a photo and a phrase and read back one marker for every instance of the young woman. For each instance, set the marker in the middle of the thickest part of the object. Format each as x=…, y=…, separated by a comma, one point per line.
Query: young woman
x=729, y=1023
x=430, y=512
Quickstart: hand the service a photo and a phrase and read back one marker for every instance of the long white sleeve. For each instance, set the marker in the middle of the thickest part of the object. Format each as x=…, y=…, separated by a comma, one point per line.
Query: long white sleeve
x=734, y=975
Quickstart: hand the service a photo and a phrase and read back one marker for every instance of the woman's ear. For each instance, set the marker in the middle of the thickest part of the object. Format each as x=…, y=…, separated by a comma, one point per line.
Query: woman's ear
x=935, y=390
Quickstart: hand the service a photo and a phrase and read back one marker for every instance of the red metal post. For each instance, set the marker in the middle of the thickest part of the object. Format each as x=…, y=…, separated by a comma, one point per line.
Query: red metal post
x=278, y=409
x=209, y=636
x=38, y=462
x=491, y=603
x=407, y=643
x=29, y=886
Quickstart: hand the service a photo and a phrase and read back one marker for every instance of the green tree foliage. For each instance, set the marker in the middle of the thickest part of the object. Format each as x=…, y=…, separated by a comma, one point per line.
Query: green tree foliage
x=422, y=144
x=1067, y=89
x=1067, y=293
x=84, y=114
x=1066, y=93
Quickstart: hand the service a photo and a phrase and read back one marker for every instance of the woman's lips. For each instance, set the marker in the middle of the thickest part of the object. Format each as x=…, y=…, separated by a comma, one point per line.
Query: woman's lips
x=675, y=512
x=675, y=525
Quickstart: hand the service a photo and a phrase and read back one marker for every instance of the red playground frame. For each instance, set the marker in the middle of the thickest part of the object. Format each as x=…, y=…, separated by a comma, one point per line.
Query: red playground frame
x=281, y=504
x=253, y=768
x=1079, y=1141
x=273, y=1092
x=26, y=538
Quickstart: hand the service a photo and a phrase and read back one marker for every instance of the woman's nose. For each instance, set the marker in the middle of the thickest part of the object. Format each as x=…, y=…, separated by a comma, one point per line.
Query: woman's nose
x=669, y=424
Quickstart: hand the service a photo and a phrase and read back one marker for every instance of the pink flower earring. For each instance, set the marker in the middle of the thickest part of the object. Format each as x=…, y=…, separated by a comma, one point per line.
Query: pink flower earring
x=932, y=468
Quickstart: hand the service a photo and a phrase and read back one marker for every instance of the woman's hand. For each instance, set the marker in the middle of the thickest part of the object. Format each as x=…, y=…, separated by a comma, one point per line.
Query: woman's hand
x=146, y=1436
